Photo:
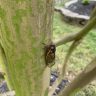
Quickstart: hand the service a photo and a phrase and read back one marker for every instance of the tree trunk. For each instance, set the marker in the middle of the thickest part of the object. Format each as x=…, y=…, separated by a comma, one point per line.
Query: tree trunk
x=24, y=26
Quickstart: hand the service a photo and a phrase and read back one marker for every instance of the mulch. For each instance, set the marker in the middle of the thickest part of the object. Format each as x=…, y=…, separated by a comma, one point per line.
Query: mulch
x=82, y=9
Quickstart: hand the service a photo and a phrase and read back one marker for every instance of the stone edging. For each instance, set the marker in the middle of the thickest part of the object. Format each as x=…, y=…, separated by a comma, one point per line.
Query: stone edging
x=72, y=16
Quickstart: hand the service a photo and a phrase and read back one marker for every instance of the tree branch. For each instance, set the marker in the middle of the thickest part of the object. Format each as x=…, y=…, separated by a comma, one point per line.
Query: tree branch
x=80, y=35
x=81, y=80
x=77, y=36
x=86, y=29
x=66, y=39
x=93, y=13
x=71, y=49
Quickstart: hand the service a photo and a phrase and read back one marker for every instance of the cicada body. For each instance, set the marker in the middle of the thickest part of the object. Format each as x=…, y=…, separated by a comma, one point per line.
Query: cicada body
x=50, y=54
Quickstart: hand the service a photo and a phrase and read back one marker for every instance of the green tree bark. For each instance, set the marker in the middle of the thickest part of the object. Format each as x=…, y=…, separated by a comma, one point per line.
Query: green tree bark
x=24, y=26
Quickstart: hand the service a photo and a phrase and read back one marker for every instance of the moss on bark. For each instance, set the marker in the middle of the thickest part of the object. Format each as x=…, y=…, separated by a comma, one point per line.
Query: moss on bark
x=23, y=30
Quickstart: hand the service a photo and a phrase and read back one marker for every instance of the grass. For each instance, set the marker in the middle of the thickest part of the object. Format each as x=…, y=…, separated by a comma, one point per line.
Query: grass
x=81, y=56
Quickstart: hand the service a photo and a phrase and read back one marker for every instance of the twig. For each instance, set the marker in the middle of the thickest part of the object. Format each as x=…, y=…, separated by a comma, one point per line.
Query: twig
x=81, y=80
x=93, y=13
x=87, y=28
x=65, y=39
x=79, y=35
x=71, y=49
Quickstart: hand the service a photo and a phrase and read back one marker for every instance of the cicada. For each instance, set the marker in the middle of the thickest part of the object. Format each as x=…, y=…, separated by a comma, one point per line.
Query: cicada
x=50, y=54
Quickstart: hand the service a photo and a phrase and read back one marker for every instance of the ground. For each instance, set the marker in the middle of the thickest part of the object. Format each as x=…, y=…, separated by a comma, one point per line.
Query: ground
x=82, y=9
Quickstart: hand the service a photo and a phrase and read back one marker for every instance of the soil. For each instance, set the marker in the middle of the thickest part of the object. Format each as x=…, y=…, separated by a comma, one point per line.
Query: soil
x=82, y=9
